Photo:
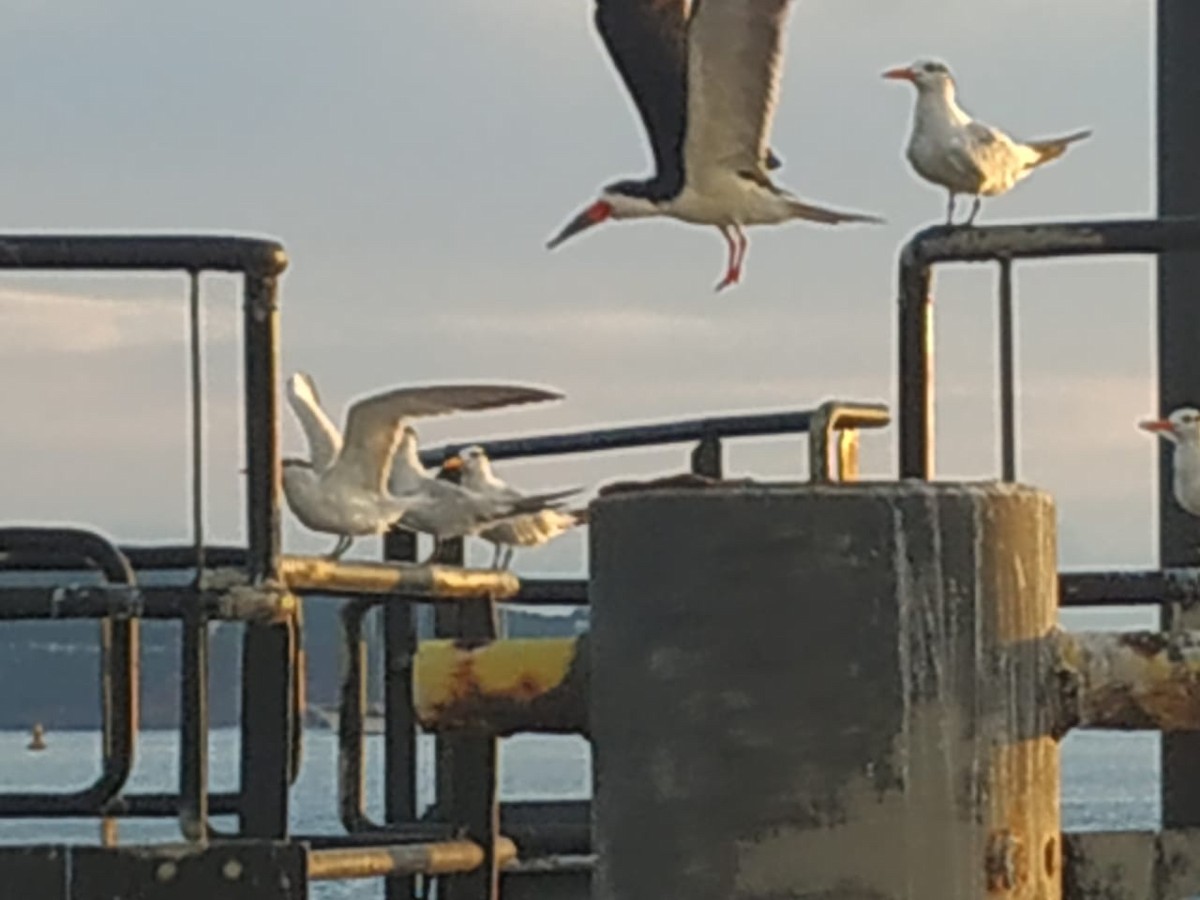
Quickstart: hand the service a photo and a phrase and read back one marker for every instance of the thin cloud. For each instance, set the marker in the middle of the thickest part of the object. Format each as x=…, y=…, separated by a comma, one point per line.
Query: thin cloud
x=39, y=322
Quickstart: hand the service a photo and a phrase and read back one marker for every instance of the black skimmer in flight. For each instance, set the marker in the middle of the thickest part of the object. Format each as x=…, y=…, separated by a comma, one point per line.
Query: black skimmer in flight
x=965, y=156
x=704, y=75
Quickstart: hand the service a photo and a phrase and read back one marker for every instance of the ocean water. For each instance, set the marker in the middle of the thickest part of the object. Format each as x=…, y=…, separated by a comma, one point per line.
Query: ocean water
x=1110, y=782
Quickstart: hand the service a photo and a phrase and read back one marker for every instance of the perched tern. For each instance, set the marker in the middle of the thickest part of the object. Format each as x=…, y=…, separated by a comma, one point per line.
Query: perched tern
x=342, y=488
x=1182, y=428
x=452, y=510
x=705, y=79
x=949, y=148
x=528, y=530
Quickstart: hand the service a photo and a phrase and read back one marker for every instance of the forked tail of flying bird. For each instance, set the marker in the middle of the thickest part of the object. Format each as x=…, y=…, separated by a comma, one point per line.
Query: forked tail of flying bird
x=1052, y=148
x=801, y=210
x=537, y=502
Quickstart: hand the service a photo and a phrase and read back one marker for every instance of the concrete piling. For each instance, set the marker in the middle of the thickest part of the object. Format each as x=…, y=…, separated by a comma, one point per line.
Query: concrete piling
x=824, y=691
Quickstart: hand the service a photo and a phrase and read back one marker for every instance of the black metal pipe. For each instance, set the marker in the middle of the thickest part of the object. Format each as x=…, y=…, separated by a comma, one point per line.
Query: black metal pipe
x=97, y=601
x=915, y=376
x=351, y=749
x=466, y=766
x=183, y=557
x=118, y=671
x=633, y=436
x=400, y=732
x=1008, y=428
x=1177, y=328
x=142, y=558
x=155, y=252
x=193, y=726
x=268, y=651
x=407, y=833
x=119, y=667
x=193, y=686
x=154, y=805
x=708, y=457
x=984, y=243
x=1130, y=587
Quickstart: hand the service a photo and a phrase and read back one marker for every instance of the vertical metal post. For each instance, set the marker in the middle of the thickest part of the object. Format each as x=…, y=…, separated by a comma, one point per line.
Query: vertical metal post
x=268, y=651
x=1178, y=337
x=400, y=734
x=193, y=671
x=467, y=766
x=915, y=406
x=706, y=457
x=1008, y=424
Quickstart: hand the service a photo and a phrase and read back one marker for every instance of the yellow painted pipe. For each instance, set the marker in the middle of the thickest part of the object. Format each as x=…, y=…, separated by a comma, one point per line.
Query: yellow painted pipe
x=313, y=573
x=445, y=858
x=499, y=687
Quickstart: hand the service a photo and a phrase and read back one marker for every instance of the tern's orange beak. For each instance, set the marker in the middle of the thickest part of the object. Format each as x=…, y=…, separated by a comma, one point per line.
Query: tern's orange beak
x=1156, y=425
x=453, y=464
x=902, y=74
x=593, y=215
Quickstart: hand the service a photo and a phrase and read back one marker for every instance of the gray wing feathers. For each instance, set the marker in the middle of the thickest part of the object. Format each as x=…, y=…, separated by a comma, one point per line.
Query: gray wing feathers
x=324, y=440
x=735, y=61
x=373, y=424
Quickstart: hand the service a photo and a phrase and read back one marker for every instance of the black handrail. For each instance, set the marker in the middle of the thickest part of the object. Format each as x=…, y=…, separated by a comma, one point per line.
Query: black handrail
x=119, y=667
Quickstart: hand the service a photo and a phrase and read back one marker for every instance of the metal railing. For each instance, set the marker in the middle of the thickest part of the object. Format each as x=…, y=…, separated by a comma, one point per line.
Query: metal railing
x=1001, y=244
x=467, y=798
x=1173, y=590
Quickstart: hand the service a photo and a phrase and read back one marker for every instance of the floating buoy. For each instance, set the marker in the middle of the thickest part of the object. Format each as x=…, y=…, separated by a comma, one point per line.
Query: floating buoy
x=37, y=738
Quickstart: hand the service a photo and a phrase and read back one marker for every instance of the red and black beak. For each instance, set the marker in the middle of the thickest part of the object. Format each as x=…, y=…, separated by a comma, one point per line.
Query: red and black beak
x=593, y=215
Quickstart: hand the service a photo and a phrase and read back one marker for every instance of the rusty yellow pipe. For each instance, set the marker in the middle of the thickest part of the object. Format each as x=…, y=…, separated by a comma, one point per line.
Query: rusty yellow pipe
x=1129, y=680
x=446, y=858
x=535, y=684
x=311, y=573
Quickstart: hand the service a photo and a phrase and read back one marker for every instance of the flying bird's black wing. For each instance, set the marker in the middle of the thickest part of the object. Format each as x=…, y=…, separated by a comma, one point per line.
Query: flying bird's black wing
x=647, y=41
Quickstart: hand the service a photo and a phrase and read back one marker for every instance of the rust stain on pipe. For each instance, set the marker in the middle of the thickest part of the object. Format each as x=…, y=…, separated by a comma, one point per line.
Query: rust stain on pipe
x=1129, y=680
x=502, y=687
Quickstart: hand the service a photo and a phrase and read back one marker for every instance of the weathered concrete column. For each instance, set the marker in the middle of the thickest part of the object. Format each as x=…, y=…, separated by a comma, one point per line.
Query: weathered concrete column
x=824, y=692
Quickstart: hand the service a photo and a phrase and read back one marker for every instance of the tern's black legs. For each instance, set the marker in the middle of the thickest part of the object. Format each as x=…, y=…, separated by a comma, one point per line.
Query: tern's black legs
x=974, y=210
x=950, y=208
x=342, y=545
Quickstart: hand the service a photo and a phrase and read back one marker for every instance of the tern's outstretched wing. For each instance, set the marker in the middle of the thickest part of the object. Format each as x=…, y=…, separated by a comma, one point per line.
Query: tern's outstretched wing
x=373, y=425
x=324, y=439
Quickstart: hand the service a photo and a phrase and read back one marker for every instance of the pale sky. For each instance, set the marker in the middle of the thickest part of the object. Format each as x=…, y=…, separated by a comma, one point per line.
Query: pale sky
x=415, y=156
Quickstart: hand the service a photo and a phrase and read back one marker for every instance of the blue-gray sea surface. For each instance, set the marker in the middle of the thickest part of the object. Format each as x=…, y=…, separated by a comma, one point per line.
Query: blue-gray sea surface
x=1110, y=782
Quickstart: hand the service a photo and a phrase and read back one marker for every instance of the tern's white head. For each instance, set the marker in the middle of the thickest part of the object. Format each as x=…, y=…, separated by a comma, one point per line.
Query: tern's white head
x=1181, y=427
x=929, y=76
x=476, y=467
x=623, y=200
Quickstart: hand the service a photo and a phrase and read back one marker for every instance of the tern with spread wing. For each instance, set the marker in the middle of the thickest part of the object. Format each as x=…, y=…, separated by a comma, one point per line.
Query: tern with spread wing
x=704, y=76
x=528, y=530
x=454, y=510
x=950, y=149
x=1182, y=428
x=342, y=488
